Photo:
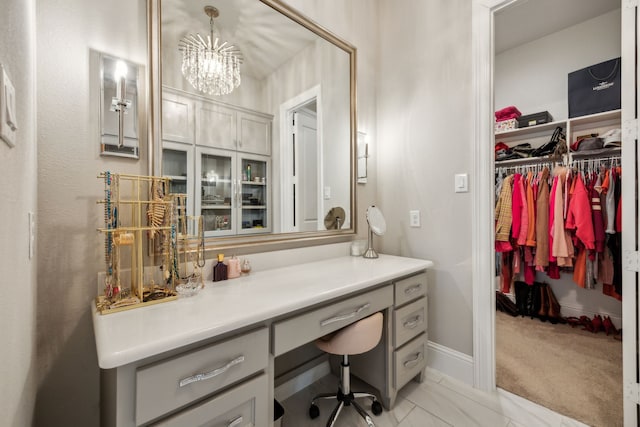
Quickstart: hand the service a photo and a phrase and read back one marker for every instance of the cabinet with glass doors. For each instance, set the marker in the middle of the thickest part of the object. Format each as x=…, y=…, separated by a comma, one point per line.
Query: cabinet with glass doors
x=232, y=192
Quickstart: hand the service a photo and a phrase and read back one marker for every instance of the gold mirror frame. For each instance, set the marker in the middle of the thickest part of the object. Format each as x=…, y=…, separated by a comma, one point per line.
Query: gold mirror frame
x=154, y=130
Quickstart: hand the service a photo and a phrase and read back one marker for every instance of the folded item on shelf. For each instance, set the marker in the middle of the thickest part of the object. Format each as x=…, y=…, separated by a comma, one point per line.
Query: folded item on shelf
x=612, y=138
x=586, y=144
x=507, y=113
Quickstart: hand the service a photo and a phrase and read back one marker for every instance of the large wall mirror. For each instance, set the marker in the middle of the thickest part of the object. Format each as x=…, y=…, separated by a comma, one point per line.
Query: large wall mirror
x=254, y=119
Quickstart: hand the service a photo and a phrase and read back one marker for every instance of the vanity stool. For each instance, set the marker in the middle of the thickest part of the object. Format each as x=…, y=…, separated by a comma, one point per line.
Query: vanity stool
x=357, y=338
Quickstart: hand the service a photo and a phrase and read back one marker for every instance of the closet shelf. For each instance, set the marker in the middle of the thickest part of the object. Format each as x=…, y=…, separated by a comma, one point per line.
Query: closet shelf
x=600, y=153
x=530, y=131
x=525, y=161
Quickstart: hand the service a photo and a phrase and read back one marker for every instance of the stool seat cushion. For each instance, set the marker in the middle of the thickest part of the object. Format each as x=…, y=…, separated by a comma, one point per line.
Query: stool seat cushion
x=359, y=337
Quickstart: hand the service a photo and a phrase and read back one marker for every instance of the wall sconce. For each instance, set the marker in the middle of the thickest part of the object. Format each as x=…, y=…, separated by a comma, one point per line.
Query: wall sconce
x=120, y=88
x=119, y=103
x=362, y=156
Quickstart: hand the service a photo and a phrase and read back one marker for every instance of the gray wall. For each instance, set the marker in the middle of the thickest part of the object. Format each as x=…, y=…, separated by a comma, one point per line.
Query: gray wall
x=70, y=248
x=424, y=138
x=18, y=168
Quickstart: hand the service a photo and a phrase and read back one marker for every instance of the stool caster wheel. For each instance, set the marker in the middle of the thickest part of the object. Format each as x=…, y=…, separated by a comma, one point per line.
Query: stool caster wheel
x=314, y=412
x=376, y=408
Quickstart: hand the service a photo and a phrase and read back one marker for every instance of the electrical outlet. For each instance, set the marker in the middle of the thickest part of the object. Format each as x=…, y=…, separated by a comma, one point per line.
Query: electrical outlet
x=414, y=218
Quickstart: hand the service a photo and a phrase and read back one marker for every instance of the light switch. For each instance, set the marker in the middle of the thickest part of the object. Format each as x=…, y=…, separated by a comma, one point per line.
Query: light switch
x=461, y=183
x=327, y=193
x=8, y=123
x=414, y=218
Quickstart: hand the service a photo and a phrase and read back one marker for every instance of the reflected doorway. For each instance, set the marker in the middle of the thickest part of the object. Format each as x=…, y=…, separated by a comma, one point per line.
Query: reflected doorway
x=301, y=158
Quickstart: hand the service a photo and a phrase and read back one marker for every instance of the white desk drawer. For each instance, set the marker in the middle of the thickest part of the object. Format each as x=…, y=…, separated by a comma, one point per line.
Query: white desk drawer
x=295, y=331
x=410, y=288
x=409, y=321
x=170, y=384
x=242, y=406
x=410, y=360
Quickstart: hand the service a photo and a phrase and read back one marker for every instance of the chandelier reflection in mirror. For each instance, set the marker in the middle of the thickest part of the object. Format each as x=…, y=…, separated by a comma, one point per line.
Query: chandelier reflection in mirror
x=210, y=65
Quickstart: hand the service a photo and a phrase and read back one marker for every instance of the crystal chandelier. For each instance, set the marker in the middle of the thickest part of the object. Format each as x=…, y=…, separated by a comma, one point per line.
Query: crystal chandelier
x=211, y=66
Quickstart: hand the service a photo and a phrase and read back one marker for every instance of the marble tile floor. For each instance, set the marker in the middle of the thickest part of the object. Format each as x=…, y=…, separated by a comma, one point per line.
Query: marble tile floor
x=439, y=401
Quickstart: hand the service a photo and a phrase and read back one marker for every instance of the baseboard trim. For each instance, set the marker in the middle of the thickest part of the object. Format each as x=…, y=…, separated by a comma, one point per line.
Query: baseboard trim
x=302, y=380
x=450, y=362
x=568, y=311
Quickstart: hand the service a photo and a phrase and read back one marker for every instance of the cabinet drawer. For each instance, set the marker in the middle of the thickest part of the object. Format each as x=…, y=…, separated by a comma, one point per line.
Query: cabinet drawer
x=409, y=321
x=295, y=331
x=410, y=360
x=242, y=406
x=164, y=386
x=410, y=288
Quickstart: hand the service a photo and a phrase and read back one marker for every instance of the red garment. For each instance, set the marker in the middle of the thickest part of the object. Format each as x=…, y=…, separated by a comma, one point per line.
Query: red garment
x=524, y=214
x=552, y=197
x=579, y=217
x=529, y=274
x=598, y=221
x=507, y=113
x=516, y=206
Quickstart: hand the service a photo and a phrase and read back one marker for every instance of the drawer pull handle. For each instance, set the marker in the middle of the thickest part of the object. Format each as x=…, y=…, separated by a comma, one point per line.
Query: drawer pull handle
x=211, y=374
x=413, y=289
x=344, y=316
x=413, y=362
x=415, y=321
x=235, y=422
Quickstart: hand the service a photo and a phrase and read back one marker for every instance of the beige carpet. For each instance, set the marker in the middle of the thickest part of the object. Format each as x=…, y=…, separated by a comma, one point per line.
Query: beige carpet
x=573, y=372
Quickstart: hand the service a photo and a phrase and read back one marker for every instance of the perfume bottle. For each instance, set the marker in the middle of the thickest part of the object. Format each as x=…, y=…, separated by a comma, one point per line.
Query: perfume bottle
x=220, y=269
x=233, y=268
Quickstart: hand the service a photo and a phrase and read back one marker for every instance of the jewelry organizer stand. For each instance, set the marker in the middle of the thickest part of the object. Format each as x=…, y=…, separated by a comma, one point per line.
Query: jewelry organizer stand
x=137, y=209
x=190, y=248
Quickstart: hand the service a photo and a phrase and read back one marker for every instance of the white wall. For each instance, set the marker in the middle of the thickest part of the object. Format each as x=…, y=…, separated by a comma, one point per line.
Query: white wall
x=70, y=248
x=424, y=137
x=18, y=168
x=533, y=77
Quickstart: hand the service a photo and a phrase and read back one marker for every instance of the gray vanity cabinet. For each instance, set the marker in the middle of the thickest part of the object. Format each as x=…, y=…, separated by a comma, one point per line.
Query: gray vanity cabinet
x=224, y=381
x=406, y=334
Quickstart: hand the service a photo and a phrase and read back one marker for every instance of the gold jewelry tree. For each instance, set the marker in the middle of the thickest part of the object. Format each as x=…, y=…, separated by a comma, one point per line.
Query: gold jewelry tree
x=137, y=211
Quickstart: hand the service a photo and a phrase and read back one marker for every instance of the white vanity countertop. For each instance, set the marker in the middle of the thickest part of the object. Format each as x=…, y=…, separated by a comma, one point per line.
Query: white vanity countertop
x=221, y=307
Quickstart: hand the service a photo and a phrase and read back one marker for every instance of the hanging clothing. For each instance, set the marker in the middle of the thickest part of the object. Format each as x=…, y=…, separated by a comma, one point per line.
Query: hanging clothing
x=579, y=216
x=503, y=215
x=531, y=211
x=524, y=214
x=561, y=246
x=542, y=220
x=516, y=206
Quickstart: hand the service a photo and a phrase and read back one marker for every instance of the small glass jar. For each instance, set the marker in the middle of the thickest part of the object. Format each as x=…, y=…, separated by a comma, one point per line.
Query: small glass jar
x=245, y=268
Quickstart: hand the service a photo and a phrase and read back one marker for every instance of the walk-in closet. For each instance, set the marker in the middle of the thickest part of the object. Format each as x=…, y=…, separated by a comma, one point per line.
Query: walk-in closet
x=558, y=206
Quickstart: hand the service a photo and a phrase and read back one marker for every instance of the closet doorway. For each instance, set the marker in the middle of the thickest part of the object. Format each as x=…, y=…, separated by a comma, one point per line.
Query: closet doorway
x=489, y=19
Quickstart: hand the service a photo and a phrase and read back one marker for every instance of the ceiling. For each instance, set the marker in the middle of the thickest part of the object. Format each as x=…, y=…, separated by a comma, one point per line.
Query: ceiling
x=528, y=20
x=266, y=38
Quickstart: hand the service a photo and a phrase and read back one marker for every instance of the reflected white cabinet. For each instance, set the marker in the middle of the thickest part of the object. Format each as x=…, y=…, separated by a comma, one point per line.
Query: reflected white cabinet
x=254, y=133
x=232, y=192
x=220, y=125
x=178, y=118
